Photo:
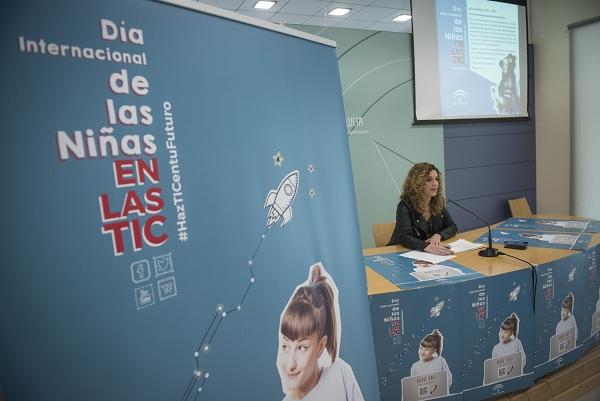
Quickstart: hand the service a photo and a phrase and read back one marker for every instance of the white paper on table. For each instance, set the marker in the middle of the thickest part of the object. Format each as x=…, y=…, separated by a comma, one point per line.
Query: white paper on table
x=462, y=245
x=430, y=257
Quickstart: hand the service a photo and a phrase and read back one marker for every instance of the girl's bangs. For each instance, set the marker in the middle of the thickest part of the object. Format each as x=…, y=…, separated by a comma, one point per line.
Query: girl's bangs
x=301, y=320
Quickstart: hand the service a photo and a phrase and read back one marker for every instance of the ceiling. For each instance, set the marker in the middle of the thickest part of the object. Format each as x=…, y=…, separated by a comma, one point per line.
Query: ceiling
x=374, y=15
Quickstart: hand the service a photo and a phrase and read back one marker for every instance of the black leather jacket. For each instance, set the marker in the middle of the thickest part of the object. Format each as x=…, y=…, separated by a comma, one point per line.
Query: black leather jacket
x=412, y=229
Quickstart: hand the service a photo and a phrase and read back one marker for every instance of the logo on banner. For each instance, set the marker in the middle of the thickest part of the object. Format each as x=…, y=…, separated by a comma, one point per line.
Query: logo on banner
x=498, y=388
x=140, y=271
x=144, y=296
x=460, y=97
x=354, y=126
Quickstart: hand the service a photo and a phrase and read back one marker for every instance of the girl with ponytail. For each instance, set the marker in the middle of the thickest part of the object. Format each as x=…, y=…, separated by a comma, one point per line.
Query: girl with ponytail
x=509, y=343
x=567, y=319
x=309, y=335
x=430, y=357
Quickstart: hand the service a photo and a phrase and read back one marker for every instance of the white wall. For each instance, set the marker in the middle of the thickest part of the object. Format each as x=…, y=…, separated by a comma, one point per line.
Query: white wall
x=585, y=119
x=550, y=36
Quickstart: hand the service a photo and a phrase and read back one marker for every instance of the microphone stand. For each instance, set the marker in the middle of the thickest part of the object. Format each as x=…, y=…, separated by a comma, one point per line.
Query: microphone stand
x=490, y=251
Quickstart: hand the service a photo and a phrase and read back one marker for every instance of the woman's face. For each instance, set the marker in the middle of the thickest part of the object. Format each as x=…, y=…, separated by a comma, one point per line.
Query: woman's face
x=564, y=313
x=297, y=363
x=431, y=184
x=426, y=353
x=505, y=335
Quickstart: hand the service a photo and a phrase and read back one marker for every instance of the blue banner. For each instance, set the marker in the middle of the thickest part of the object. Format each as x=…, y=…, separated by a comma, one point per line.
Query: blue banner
x=498, y=341
x=411, y=273
x=561, y=305
x=446, y=335
x=176, y=180
x=571, y=226
x=591, y=315
x=539, y=239
x=402, y=321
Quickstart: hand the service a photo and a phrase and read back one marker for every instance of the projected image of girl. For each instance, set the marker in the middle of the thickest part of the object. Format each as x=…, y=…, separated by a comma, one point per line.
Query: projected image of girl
x=505, y=96
x=309, y=336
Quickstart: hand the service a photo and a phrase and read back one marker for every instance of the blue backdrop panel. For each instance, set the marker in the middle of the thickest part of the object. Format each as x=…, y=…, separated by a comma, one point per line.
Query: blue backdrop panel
x=488, y=150
x=491, y=180
x=145, y=202
x=491, y=208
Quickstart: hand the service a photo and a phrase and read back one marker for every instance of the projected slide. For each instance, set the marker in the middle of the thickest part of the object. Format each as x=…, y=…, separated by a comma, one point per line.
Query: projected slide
x=470, y=60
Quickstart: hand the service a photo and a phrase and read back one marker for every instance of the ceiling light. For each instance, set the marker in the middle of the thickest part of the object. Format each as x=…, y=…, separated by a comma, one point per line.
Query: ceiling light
x=402, y=18
x=339, y=11
x=264, y=5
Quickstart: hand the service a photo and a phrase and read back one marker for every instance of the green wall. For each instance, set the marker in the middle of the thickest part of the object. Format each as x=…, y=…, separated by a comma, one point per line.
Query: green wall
x=377, y=83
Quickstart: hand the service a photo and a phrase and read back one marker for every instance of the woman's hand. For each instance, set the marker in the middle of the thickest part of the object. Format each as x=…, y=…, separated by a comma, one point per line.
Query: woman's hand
x=440, y=249
x=435, y=239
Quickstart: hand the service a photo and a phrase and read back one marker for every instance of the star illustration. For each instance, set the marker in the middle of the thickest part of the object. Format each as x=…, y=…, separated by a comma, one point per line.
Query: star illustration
x=311, y=168
x=278, y=159
x=312, y=193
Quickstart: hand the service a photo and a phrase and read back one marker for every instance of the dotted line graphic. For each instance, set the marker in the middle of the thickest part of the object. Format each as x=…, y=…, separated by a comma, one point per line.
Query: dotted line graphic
x=279, y=202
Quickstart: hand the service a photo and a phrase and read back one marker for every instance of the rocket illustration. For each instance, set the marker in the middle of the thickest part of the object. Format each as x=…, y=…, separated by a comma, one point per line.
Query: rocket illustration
x=437, y=309
x=280, y=200
x=572, y=274
x=514, y=293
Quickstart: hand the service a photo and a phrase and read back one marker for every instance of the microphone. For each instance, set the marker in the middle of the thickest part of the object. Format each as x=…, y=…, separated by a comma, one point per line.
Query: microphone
x=490, y=251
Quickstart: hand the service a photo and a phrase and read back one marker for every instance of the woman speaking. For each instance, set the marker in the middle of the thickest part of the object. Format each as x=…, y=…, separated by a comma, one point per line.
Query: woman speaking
x=422, y=220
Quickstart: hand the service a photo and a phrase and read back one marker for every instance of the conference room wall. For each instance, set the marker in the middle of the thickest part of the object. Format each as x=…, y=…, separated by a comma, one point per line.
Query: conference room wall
x=485, y=164
x=585, y=119
x=550, y=36
x=376, y=76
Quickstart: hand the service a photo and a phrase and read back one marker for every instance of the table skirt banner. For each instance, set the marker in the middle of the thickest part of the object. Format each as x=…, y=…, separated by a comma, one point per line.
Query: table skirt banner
x=568, y=226
x=592, y=310
x=561, y=312
x=165, y=200
x=445, y=335
x=497, y=331
x=409, y=273
x=555, y=240
x=401, y=321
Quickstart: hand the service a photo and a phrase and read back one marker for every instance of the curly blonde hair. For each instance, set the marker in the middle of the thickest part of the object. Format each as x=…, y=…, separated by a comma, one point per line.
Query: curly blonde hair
x=412, y=190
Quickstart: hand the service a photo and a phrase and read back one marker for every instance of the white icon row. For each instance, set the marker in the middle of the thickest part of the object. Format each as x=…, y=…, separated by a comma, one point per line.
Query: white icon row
x=144, y=296
x=141, y=271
